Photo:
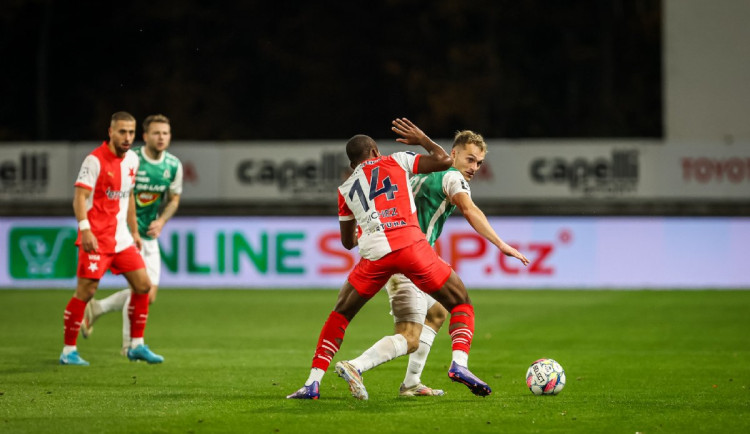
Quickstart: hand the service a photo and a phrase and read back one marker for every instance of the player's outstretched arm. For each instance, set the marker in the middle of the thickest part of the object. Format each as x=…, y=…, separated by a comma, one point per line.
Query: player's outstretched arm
x=479, y=222
x=436, y=160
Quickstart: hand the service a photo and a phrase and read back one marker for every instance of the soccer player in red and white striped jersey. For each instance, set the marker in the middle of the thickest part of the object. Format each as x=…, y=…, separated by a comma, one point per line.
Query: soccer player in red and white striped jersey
x=108, y=236
x=377, y=213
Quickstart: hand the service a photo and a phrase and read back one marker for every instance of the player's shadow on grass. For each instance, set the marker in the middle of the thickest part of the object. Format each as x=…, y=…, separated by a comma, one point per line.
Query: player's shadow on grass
x=339, y=404
x=375, y=405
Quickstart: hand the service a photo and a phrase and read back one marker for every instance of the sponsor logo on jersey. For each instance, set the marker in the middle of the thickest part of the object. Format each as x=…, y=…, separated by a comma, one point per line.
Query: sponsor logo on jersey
x=145, y=198
x=117, y=194
x=150, y=187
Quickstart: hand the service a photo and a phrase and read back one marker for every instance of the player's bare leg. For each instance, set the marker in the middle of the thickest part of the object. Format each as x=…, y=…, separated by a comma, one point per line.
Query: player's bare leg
x=404, y=341
x=409, y=307
x=455, y=299
x=412, y=385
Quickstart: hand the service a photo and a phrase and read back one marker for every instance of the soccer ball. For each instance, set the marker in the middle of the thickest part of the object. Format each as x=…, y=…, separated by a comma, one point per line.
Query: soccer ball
x=545, y=377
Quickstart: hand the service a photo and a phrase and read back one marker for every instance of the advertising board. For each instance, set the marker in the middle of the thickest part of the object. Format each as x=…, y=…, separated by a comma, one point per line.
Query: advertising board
x=305, y=252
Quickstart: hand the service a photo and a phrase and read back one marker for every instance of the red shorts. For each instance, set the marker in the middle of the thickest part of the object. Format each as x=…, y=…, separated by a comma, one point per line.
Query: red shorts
x=418, y=262
x=94, y=265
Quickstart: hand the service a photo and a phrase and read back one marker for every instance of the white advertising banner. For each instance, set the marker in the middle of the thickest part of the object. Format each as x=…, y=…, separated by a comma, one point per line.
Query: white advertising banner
x=610, y=170
x=310, y=171
x=706, y=172
x=626, y=170
x=567, y=170
x=299, y=252
x=33, y=172
x=283, y=172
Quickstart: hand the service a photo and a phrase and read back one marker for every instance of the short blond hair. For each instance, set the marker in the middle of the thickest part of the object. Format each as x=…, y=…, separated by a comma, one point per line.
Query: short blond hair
x=121, y=116
x=160, y=118
x=466, y=137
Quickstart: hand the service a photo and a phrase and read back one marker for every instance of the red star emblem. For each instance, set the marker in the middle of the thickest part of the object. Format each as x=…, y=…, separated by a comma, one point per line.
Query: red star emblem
x=132, y=175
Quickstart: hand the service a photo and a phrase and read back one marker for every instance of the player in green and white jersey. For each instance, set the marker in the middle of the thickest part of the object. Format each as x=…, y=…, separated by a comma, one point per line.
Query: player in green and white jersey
x=417, y=316
x=158, y=186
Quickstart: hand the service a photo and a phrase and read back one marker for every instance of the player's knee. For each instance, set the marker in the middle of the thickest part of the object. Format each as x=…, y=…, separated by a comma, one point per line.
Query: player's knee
x=457, y=289
x=86, y=290
x=86, y=295
x=412, y=346
x=410, y=333
x=436, y=316
x=412, y=343
x=143, y=288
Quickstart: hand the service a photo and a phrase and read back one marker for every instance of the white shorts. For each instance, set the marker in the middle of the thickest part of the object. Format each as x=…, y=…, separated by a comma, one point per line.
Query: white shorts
x=408, y=303
x=152, y=258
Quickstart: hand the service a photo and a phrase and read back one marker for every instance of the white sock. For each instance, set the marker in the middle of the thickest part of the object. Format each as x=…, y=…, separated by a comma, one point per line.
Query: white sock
x=384, y=350
x=316, y=374
x=126, y=322
x=115, y=301
x=461, y=358
x=135, y=342
x=67, y=349
x=418, y=358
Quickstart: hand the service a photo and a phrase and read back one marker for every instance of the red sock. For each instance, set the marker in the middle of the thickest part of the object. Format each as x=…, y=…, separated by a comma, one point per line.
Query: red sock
x=138, y=314
x=462, y=327
x=72, y=319
x=330, y=340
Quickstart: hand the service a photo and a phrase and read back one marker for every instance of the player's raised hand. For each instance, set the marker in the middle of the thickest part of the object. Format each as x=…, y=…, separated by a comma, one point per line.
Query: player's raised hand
x=437, y=159
x=410, y=133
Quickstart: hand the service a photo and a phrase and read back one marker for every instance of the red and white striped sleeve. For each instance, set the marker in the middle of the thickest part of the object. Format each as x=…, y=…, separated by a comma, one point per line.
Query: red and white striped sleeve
x=345, y=213
x=89, y=173
x=409, y=161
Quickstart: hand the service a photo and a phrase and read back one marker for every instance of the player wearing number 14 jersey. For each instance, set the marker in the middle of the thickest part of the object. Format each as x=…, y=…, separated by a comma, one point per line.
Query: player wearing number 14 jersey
x=159, y=179
x=377, y=212
x=388, y=217
x=417, y=316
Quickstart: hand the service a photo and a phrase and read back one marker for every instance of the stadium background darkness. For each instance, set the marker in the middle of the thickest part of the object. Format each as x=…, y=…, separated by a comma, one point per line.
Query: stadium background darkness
x=327, y=70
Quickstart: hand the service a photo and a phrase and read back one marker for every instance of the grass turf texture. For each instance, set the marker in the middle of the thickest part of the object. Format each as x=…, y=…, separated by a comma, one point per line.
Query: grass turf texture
x=636, y=361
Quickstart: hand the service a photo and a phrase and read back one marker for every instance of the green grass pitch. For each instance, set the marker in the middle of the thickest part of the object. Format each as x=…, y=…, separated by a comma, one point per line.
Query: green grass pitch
x=636, y=361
